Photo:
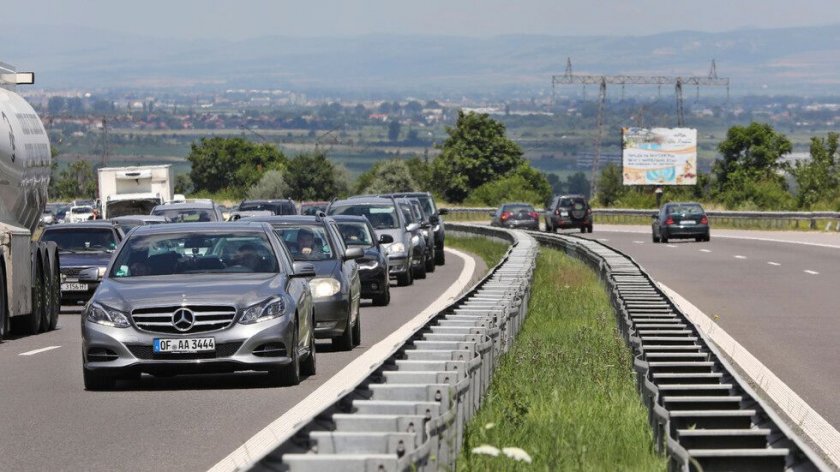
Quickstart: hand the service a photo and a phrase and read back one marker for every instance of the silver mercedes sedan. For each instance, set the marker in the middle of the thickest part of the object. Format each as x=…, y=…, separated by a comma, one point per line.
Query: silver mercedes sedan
x=198, y=298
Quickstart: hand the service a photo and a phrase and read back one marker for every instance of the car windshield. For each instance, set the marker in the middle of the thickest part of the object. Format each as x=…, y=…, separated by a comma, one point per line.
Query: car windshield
x=685, y=209
x=185, y=215
x=306, y=242
x=380, y=216
x=355, y=234
x=81, y=210
x=82, y=239
x=194, y=253
x=408, y=214
x=428, y=205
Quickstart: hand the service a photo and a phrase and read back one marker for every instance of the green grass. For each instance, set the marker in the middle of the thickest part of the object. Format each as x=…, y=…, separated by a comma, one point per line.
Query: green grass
x=565, y=392
x=489, y=250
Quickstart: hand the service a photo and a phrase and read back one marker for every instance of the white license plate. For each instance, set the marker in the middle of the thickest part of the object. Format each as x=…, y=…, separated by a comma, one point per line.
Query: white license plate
x=564, y=213
x=74, y=287
x=184, y=345
x=687, y=222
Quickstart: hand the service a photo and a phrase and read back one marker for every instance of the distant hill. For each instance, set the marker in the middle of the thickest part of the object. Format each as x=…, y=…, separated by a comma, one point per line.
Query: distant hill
x=791, y=61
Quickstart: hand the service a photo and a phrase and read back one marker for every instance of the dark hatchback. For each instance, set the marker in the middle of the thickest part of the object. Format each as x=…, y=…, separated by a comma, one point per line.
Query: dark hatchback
x=82, y=246
x=373, y=267
x=516, y=215
x=680, y=220
x=568, y=211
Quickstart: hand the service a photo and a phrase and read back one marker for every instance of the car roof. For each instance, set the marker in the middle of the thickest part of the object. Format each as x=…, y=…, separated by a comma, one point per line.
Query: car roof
x=363, y=200
x=348, y=218
x=138, y=218
x=84, y=224
x=517, y=203
x=255, y=227
x=186, y=206
x=571, y=195
x=315, y=203
x=288, y=219
x=278, y=200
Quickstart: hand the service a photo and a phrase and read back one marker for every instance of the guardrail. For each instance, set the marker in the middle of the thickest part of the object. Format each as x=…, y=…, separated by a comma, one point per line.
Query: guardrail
x=772, y=219
x=410, y=411
x=703, y=414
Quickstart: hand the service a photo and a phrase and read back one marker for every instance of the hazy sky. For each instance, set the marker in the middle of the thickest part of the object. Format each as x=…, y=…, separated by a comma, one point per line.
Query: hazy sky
x=239, y=19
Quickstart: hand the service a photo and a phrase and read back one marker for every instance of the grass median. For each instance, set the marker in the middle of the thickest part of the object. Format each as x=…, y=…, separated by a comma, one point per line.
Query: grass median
x=565, y=393
x=490, y=251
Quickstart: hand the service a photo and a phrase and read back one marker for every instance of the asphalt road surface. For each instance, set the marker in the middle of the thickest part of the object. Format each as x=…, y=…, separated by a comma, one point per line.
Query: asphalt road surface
x=49, y=422
x=778, y=299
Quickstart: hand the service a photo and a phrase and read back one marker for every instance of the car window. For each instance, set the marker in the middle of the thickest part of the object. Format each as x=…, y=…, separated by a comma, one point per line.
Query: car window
x=306, y=242
x=186, y=215
x=685, y=209
x=518, y=208
x=191, y=253
x=78, y=210
x=380, y=216
x=408, y=215
x=82, y=239
x=355, y=234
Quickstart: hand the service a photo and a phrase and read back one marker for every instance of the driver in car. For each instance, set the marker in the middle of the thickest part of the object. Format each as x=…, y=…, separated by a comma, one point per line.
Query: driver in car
x=305, y=242
x=246, y=256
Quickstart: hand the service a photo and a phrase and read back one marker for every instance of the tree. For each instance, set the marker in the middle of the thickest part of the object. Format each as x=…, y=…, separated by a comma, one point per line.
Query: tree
x=818, y=178
x=610, y=185
x=514, y=188
x=751, y=152
x=393, y=130
x=391, y=176
x=312, y=176
x=183, y=184
x=578, y=183
x=476, y=152
x=233, y=164
x=77, y=180
x=271, y=185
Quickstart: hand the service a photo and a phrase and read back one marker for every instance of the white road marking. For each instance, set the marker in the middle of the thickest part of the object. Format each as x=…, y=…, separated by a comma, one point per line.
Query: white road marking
x=670, y=245
x=812, y=272
x=639, y=242
x=38, y=351
x=705, y=250
x=727, y=236
x=773, y=263
x=740, y=257
x=343, y=382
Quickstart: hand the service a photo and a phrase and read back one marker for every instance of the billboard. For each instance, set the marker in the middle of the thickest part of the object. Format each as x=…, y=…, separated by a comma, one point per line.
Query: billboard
x=659, y=156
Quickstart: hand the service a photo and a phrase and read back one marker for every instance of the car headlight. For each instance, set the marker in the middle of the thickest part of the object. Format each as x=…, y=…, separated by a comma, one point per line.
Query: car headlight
x=396, y=248
x=415, y=240
x=425, y=233
x=101, y=272
x=368, y=265
x=324, y=287
x=264, y=311
x=106, y=316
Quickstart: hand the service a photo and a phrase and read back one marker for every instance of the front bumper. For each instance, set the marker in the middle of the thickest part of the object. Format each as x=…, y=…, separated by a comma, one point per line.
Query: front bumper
x=397, y=265
x=331, y=315
x=374, y=281
x=129, y=350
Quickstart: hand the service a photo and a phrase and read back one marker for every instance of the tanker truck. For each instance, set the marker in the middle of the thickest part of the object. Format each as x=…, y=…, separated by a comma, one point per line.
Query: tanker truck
x=30, y=281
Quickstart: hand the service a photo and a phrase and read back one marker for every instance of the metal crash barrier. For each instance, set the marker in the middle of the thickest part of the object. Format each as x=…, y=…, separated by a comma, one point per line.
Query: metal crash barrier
x=411, y=411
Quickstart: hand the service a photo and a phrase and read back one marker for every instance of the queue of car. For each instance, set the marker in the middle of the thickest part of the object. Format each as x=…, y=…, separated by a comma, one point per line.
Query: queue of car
x=183, y=291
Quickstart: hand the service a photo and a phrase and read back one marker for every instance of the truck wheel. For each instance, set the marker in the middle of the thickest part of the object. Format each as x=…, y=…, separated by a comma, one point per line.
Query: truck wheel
x=33, y=326
x=50, y=310
x=4, y=313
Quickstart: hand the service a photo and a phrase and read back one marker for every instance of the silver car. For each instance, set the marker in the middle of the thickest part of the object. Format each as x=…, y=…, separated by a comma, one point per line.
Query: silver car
x=199, y=297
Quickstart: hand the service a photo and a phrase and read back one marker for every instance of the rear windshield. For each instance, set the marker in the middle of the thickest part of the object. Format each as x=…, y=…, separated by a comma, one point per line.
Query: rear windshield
x=574, y=203
x=685, y=209
x=81, y=210
x=278, y=208
x=380, y=216
x=82, y=239
x=186, y=215
x=518, y=208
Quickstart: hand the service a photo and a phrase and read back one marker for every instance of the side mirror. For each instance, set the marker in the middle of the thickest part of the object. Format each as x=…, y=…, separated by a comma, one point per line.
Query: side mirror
x=434, y=219
x=443, y=211
x=303, y=269
x=386, y=239
x=426, y=225
x=91, y=274
x=354, y=253
x=412, y=227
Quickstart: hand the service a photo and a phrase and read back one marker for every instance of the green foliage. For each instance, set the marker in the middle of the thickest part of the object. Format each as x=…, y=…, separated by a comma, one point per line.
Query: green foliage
x=476, y=152
x=231, y=163
x=271, y=185
x=312, y=176
x=390, y=176
x=183, y=184
x=421, y=172
x=746, y=194
x=77, y=180
x=819, y=177
x=490, y=250
x=610, y=185
x=751, y=152
x=506, y=189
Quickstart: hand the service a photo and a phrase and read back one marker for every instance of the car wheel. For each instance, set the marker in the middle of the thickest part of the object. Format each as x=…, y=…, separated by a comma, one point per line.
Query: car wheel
x=404, y=280
x=344, y=342
x=698, y=239
x=654, y=238
x=663, y=236
x=707, y=238
x=357, y=330
x=420, y=272
x=308, y=367
x=440, y=256
x=289, y=375
x=589, y=229
x=583, y=229
x=430, y=262
x=384, y=298
x=98, y=381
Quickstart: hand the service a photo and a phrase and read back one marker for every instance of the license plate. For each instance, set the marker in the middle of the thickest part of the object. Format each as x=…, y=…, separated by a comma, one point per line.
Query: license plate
x=184, y=345
x=564, y=213
x=687, y=222
x=74, y=287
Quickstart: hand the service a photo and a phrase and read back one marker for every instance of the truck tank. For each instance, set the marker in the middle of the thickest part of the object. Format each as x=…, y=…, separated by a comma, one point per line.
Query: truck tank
x=24, y=158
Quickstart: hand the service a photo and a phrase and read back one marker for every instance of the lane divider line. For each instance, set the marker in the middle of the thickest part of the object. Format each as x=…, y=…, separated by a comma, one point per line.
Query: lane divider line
x=639, y=242
x=38, y=351
x=740, y=257
x=670, y=245
x=344, y=381
x=773, y=263
x=705, y=250
x=812, y=272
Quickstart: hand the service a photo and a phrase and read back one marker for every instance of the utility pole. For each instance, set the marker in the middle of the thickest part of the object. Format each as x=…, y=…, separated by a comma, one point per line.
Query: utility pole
x=570, y=78
x=104, y=142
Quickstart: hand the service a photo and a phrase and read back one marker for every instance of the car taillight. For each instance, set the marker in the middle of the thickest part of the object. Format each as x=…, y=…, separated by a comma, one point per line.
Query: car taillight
x=704, y=220
x=534, y=215
x=669, y=221
x=505, y=215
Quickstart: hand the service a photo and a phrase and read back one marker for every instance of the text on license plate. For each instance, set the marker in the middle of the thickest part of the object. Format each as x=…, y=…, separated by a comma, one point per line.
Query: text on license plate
x=687, y=222
x=184, y=345
x=74, y=287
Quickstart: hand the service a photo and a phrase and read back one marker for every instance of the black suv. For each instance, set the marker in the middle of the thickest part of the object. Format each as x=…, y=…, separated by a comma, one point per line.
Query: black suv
x=568, y=211
x=278, y=207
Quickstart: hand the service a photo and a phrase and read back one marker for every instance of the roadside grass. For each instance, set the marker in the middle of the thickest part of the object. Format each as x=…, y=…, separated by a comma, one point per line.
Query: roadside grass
x=489, y=250
x=565, y=393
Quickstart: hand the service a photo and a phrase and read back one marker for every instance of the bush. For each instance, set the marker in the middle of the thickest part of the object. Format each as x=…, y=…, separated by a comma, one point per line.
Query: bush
x=507, y=189
x=271, y=185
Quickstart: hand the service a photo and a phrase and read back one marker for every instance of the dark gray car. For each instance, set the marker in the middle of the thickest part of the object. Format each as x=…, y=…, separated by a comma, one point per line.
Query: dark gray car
x=680, y=220
x=199, y=297
x=386, y=217
x=435, y=218
x=336, y=287
x=190, y=212
x=516, y=215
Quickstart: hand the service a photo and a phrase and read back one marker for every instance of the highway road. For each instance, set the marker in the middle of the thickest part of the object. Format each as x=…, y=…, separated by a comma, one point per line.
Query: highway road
x=778, y=299
x=49, y=422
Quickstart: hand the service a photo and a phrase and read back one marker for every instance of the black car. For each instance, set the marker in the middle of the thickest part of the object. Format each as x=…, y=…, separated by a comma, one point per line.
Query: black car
x=278, y=207
x=129, y=222
x=683, y=220
x=427, y=200
x=373, y=267
x=516, y=215
x=82, y=246
x=336, y=287
x=568, y=211
x=190, y=212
